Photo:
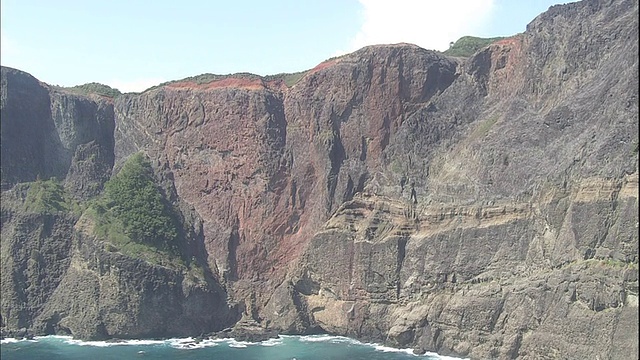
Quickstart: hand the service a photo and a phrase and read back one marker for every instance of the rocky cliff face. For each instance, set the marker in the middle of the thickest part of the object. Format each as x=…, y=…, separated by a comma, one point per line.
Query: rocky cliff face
x=48, y=133
x=57, y=276
x=484, y=207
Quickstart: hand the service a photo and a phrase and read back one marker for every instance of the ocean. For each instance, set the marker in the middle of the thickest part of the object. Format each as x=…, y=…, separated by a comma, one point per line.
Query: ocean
x=313, y=347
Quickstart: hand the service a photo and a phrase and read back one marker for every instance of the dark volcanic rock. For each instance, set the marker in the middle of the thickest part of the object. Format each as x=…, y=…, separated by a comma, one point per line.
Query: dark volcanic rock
x=483, y=207
x=130, y=298
x=50, y=133
x=247, y=330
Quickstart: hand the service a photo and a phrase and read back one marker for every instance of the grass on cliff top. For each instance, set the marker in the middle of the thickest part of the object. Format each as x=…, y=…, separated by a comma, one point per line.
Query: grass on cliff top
x=133, y=215
x=94, y=88
x=468, y=45
x=289, y=79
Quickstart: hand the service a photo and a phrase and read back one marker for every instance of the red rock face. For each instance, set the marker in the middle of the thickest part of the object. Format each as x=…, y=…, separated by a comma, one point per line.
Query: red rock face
x=264, y=166
x=450, y=157
x=224, y=146
x=482, y=207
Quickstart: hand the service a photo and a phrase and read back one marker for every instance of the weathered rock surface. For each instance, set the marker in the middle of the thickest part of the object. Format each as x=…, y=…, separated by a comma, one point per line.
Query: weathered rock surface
x=48, y=133
x=57, y=277
x=483, y=207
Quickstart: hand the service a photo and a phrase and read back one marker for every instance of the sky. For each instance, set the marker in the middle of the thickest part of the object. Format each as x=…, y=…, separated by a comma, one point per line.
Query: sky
x=135, y=44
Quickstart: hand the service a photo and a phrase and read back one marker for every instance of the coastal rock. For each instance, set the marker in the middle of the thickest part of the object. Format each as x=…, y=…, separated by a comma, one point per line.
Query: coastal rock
x=484, y=207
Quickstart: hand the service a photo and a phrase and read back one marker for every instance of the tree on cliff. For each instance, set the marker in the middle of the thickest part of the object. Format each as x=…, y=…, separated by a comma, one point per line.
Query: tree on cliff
x=133, y=198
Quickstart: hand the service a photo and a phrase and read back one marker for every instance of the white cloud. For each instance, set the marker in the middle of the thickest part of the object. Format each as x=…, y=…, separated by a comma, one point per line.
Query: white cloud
x=136, y=85
x=431, y=24
x=8, y=48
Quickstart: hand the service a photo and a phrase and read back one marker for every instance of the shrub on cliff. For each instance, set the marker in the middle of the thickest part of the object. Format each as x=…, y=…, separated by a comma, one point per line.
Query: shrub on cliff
x=46, y=197
x=95, y=88
x=133, y=198
x=468, y=45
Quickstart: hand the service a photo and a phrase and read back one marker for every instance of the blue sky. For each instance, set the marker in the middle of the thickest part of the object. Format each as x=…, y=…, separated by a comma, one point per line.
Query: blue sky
x=135, y=44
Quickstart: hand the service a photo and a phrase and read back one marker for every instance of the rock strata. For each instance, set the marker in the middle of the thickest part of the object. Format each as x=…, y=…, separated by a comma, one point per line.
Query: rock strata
x=484, y=207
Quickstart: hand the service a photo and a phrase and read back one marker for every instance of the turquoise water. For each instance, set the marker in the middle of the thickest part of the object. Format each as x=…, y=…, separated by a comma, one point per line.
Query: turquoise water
x=315, y=347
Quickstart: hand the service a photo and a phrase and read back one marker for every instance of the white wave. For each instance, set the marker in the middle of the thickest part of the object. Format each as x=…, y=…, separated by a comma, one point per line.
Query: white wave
x=114, y=343
x=10, y=340
x=383, y=348
x=53, y=337
x=235, y=345
x=377, y=347
x=238, y=344
x=271, y=342
x=221, y=340
x=328, y=338
x=187, y=346
x=89, y=343
x=14, y=340
x=180, y=341
x=208, y=343
x=190, y=343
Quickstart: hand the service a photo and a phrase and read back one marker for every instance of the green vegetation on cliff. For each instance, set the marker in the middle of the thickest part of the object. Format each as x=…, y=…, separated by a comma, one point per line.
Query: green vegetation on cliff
x=95, y=88
x=468, y=45
x=289, y=79
x=46, y=197
x=133, y=214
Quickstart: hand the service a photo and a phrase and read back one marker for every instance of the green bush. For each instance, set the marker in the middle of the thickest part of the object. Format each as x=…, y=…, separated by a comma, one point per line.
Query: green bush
x=95, y=88
x=46, y=197
x=468, y=45
x=134, y=200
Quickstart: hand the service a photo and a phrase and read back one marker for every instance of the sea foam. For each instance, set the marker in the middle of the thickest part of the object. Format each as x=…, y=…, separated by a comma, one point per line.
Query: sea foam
x=271, y=342
x=114, y=343
x=190, y=343
x=9, y=340
x=377, y=347
x=326, y=338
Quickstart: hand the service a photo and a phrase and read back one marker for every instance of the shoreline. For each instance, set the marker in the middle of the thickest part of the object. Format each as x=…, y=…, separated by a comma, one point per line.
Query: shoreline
x=189, y=343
